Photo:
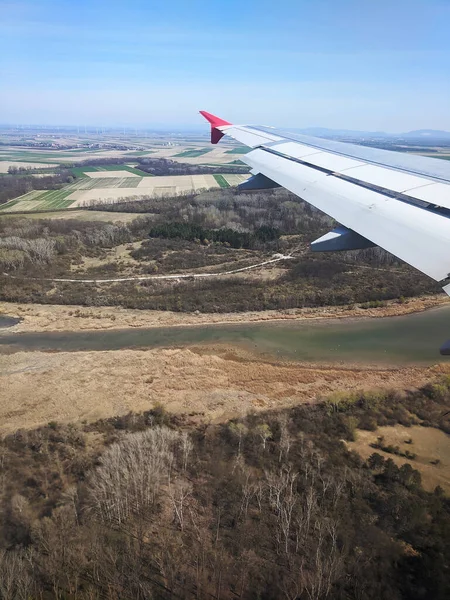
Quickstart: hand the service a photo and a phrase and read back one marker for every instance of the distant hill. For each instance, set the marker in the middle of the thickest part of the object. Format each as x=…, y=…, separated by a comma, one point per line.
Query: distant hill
x=419, y=134
x=427, y=133
x=330, y=133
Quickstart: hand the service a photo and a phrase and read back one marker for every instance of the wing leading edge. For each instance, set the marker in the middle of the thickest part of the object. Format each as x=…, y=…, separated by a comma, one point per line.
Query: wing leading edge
x=396, y=201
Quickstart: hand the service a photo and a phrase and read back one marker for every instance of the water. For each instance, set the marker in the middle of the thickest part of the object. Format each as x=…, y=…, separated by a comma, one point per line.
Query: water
x=413, y=338
x=8, y=321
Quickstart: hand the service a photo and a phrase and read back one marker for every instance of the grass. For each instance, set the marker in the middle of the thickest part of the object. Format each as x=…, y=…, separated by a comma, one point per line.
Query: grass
x=193, y=153
x=140, y=152
x=130, y=182
x=105, y=182
x=55, y=199
x=221, y=181
x=429, y=444
x=240, y=150
x=78, y=213
x=124, y=168
x=80, y=171
x=9, y=204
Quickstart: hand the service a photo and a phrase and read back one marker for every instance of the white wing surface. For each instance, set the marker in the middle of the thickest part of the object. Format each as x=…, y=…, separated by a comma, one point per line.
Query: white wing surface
x=397, y=201
x=400, y=202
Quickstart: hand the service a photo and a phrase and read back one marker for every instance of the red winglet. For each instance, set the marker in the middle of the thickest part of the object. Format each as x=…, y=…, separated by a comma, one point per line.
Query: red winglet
x=216, y=134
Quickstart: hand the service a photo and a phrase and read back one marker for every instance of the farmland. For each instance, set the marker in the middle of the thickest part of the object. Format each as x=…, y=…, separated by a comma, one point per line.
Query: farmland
x=193, y=153
x=107, y=167
x=111, y=183
x=239, y=150
x=221, y=181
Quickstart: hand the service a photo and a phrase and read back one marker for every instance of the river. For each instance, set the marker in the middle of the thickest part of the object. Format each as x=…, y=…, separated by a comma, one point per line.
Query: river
x=414, y=338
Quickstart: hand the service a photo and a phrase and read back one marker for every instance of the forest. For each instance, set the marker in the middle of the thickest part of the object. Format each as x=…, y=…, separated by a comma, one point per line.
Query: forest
x=223, y=229
x=165, y=166
x=272, y=505
x=20, y=181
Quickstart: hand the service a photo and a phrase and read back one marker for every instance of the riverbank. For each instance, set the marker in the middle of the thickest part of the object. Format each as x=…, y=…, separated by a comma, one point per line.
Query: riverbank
x=209, y=383
x=48, y=317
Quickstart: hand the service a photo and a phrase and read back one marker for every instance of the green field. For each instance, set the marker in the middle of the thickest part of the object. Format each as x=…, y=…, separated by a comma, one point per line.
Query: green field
x=140, y=152
x=80, y=171
x=56, y=198
x=193, y=153
x=222, y=181
x=43, y=199
x=240, y=150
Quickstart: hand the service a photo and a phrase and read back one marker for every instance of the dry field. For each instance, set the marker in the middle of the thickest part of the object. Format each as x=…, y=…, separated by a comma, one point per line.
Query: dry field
x=427, y=443
x=85, y=215
x=5, y=164
x=102, y=174
x=216, y=383
x=148, y=186
x=113, y=186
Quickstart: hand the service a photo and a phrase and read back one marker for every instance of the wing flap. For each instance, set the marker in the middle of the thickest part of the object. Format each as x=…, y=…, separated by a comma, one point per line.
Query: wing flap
x=417, y=236
x=382, y=195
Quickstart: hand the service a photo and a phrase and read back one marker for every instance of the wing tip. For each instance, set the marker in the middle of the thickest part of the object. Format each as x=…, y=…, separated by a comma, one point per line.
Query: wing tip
x=215, y=122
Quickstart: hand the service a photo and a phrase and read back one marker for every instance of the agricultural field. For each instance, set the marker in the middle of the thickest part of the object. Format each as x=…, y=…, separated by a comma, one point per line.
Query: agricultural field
x=179, y=151
x=220, y=179
x=5, y=164
x=114, y=183
x=193, y=153
x=116, y=171
x=134, y=188
x=239, y=150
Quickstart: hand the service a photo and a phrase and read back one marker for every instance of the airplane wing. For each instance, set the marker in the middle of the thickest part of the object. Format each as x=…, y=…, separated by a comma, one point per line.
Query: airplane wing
x=400, y=202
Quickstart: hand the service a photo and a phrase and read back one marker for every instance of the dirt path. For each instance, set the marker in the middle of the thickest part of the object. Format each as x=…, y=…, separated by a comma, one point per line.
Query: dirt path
x=277, y=258
x=46, y=317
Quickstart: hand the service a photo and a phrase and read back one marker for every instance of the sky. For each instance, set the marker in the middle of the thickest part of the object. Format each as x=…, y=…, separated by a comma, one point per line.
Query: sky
x=373, y=65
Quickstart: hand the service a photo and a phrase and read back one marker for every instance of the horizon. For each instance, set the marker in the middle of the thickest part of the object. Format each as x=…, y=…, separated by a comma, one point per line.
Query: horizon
x=376, y=68
x=198, y=129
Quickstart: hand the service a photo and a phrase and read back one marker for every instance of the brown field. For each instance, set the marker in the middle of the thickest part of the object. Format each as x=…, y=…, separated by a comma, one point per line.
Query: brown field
x=216, y=383
x=153, y=186
x=102, y=174
x=83, y=215
x=5, y=164
x=428, y=443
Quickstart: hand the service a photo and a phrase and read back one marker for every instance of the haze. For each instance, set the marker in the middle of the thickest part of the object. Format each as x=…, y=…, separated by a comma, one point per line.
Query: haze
x=371, y=65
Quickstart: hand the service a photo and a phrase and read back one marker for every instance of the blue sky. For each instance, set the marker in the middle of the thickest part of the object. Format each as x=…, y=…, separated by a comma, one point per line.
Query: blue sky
x=367, y=64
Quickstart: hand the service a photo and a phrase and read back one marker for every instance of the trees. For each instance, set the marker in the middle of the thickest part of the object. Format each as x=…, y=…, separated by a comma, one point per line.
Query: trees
x=129, y=508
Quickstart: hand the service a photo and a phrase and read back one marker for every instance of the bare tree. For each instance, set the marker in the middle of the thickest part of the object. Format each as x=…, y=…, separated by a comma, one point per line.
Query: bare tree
x=179, y=493
x=264, y=433
x=285, y=437
x=131, y=473
x=239, y=431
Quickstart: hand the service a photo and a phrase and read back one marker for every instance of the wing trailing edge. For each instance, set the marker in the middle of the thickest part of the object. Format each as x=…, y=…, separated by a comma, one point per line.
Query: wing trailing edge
x=397, y=201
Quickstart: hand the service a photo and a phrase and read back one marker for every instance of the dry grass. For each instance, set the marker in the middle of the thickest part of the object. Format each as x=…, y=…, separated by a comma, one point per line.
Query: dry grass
x=102, y=174
x=44, y=317
x=427, y=443
x=5, y=164
x=215, y=382
x=148, y=186
x=86, y=215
